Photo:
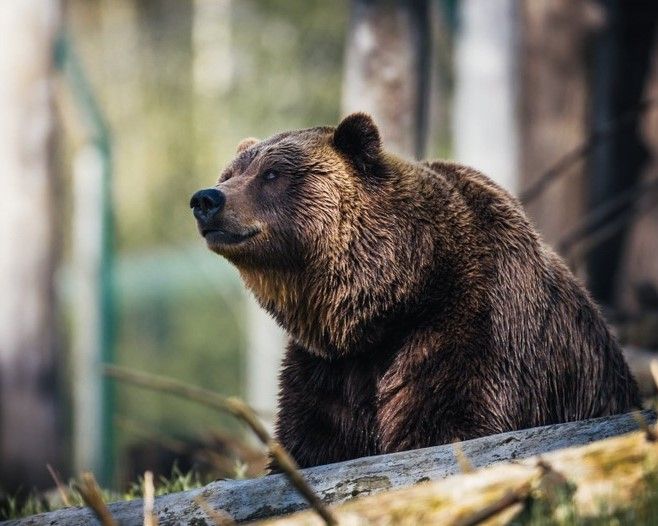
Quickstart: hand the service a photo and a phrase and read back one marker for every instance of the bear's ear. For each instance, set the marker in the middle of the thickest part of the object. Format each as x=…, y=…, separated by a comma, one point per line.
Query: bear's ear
x=357, y=137
x=246, y=143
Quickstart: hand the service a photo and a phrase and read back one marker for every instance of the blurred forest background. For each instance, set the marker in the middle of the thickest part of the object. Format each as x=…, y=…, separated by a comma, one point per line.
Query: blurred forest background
x=116, y=111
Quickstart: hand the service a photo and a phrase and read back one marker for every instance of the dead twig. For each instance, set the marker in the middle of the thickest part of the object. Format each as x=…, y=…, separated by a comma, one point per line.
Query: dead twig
x=464, y=463
x=236, y=408
x=149, y=500
x=549, y=483
x=509, y=499
x=582, y=150
x=91, y=494
x=607, y=230
x=60, y=487
x=589, y=223
x=219, y=517
x=290, y=468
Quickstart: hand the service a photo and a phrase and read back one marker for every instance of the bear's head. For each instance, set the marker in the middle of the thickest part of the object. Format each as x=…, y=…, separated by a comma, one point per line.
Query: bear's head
x=317, y=223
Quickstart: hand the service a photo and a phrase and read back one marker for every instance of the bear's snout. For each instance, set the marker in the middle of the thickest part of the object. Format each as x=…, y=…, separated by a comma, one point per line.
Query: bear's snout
x=207, y=203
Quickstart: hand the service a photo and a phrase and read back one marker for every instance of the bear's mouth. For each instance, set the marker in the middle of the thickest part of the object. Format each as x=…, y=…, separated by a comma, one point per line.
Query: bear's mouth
x=217, y=236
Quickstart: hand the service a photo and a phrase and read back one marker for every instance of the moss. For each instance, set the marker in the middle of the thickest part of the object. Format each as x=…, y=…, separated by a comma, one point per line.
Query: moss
x=641, y=511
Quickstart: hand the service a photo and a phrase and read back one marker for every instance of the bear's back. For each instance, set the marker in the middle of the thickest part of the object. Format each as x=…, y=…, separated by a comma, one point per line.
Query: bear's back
x=544, y=325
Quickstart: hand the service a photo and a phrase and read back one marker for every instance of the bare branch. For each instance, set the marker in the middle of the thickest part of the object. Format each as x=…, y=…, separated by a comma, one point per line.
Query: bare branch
x=93, y=498
x=236, y=408
x=63, y=494
x=219, y=517
x=149, y=500
x=609, y=229
x=510, y=498
x=588, y=225
x=583, y=150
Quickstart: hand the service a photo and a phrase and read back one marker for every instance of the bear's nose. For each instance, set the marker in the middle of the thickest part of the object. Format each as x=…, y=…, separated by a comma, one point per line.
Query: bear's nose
x=206, y=203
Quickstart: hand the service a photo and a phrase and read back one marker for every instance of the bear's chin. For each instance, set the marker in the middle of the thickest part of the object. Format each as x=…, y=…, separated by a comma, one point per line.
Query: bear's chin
x=219, y=240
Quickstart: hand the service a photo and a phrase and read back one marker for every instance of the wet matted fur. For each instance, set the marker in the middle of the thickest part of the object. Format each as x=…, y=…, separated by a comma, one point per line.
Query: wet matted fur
x=421, y=304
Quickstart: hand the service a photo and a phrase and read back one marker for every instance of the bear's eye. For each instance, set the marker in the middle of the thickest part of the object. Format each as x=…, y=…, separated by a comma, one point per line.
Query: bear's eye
x=269, y=175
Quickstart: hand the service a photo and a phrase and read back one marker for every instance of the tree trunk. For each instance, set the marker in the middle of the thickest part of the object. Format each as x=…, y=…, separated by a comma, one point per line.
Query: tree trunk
x=637, y=283
x=28, y=410
x=485, y=133
x=621, y=62
x=387, y=70
x=553, y=109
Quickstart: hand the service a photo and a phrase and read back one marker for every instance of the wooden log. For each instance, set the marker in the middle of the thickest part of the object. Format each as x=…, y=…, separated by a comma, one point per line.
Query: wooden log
x=254, y=499
x=572, y=485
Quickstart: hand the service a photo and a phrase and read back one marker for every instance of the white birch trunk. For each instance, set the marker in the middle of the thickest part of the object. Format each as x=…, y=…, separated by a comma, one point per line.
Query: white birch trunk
x=485, y=133
x=387, y=70
x=28, y=417
x=87, y=352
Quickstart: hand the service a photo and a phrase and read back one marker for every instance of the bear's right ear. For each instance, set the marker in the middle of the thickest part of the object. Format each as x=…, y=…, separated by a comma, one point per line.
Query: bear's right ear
x=246, y=143
x=357, y=137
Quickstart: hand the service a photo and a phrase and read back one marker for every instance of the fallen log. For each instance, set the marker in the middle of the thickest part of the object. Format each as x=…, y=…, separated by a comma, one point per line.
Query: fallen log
x=600, y=480
x=246, y=500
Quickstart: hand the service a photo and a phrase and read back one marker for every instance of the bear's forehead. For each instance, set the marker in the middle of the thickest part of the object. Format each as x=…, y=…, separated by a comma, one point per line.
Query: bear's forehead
x=287, y=145
x=301, y=138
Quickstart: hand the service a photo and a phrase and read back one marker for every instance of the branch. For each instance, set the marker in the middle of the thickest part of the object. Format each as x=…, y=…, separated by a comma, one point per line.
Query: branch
x=582, y=150
x=588, y=225
x=91, y=494
x=239, y=410
x=609, y=229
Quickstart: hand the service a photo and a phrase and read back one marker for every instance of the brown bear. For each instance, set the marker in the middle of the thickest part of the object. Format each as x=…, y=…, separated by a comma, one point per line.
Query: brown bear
x=421, y=304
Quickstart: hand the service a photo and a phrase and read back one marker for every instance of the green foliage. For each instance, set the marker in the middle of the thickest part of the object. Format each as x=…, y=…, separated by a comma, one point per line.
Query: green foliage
x=558, y=510
x=192, y=331
x=284, y=70
x=14, y=507
x=177, y=481
x=283, y=65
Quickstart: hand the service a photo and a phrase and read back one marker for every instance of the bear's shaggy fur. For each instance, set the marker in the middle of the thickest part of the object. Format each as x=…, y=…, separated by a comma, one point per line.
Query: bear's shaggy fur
x=421, y=304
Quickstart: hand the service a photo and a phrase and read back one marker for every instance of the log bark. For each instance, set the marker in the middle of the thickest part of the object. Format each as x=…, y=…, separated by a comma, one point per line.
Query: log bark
x=602, y=478
x=246, y=500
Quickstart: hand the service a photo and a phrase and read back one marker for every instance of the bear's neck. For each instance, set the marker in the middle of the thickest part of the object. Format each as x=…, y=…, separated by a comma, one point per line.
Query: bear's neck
x=361, y=293
x=329, y=317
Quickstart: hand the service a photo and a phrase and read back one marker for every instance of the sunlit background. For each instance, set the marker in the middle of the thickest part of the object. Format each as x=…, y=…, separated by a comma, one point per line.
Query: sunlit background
x=113, y=112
